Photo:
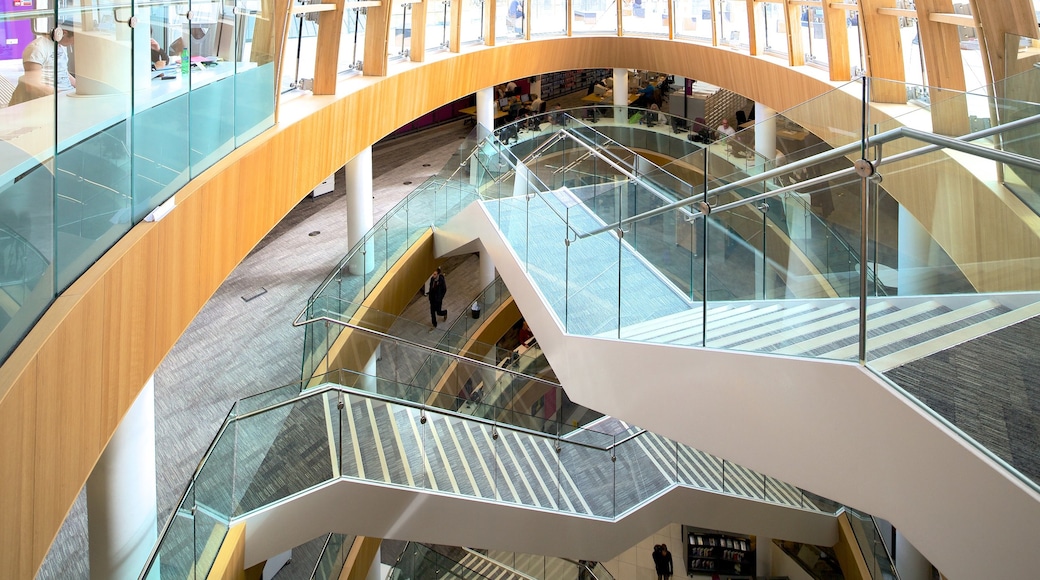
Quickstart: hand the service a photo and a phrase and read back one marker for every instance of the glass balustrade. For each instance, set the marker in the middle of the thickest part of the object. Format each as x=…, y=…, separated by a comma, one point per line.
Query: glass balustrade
x=872, y=546
x=377, y=430
x=333, y=557
x=82, y=165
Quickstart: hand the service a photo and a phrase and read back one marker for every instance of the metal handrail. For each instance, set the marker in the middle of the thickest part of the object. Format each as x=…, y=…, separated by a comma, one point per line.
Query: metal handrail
x=936, y=142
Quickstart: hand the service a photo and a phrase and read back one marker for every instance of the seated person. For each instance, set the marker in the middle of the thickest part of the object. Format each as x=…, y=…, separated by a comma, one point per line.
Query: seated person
x=46, y=65
x=646, y=96
x=159, y=56
x=652, y=117
x=725, y=130
x=557, y=116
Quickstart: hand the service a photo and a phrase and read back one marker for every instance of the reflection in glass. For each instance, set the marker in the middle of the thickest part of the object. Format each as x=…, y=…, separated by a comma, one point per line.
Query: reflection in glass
x=548, y=17
x=594, y=16
x=645, y=17
x=775, y=28
x=438, y=17
x=693, y=20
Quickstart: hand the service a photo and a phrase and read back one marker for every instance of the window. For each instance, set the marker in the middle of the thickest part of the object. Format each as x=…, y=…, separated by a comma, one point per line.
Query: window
x=693, y=19
x=733, y=26
x=776, y=28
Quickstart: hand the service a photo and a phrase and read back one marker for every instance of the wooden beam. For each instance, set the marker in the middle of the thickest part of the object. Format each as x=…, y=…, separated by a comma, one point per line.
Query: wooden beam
x=756, y=16
x=326, y=58
x=417, y=48
x=883, y=51
x=795, y=50
x=941, y=46
x=455, y=31
x=834, y=25
x=901, y=12
x=489, y=23
x=955, y=19
x=377, y=40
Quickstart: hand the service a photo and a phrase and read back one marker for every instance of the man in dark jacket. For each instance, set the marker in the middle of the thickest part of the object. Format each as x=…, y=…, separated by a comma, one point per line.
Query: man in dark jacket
x=438, y=288
x=663, y=562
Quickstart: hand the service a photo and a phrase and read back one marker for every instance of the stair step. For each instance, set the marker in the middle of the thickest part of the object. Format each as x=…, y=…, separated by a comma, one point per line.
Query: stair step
x=779, y=328
x=850, y=333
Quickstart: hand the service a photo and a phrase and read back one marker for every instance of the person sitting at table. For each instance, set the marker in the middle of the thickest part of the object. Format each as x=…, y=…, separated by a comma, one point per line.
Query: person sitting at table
x=557, y=116
x=46, y=65
x=646, y=96
x=652, y=117
x=159, y=56
x=725, y=130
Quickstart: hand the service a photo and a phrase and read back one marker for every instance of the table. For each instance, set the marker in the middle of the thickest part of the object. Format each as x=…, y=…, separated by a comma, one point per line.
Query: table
x=598, y=100
x=472, y=111
x=28, y=135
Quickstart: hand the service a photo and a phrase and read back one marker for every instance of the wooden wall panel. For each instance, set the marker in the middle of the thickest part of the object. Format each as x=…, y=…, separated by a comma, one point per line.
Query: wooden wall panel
x=17, y=454
x=262, y=181
x=995, y=21
x=883, y=50
x=68, y=413
x=178, y=286
x=220, y=229
x=130, y=355
x=230, y=563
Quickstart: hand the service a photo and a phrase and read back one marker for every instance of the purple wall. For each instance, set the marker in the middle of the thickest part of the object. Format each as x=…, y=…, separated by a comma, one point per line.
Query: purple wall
x=14, y=35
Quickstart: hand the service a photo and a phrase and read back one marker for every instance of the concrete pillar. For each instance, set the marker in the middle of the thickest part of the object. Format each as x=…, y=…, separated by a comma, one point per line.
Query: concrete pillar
x=621, y=95
x=485, y=111
x=521, y=183
x=763, y=557
x=487, y=274
x=359, y=209
x=910, y=564
x=916, y=249
x=121, y=511
x=536, y=87
x=765, y=131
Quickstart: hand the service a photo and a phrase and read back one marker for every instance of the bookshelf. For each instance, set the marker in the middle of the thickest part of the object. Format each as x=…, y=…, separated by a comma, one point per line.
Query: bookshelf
x=710, y=552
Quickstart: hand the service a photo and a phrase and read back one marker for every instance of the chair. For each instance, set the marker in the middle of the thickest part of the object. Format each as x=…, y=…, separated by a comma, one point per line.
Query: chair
x=741, y=118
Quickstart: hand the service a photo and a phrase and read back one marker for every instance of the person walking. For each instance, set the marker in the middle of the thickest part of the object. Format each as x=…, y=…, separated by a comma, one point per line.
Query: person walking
x=663, y=562
x=438, y=288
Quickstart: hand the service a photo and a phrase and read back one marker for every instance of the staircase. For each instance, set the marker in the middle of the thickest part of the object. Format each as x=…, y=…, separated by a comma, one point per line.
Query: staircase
x=898, y=329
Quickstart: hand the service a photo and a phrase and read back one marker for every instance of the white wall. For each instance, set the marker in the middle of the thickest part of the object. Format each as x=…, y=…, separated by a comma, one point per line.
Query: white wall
x=812, y=423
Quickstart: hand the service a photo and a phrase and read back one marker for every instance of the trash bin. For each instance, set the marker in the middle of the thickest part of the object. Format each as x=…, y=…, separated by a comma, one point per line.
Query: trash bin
x=475, y=310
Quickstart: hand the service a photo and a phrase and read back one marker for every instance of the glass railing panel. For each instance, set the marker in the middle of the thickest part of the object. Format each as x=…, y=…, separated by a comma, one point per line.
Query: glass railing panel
x=591, y=298
x=160, y=146
x=637, y=476
x=585, y=455
x=211, y=121
x=210, y=531
x=175, y=556
x=214, y=483
x=739, y=480
x=872, y=546
x=282, y=451
x=27, y=235
x=93, y=207
x=333, y=556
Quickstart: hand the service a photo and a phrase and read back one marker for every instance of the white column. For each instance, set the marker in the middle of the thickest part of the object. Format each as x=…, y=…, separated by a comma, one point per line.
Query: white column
x=485, y=111
x=368, y=381
x=765, y=131
x=359, y=209
x=915, y=256
x=763, y=557
x=121, y=512
x=375, y=571
x=621, y=95
x=910, y=564
x=521, y=180
x=487, y=274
